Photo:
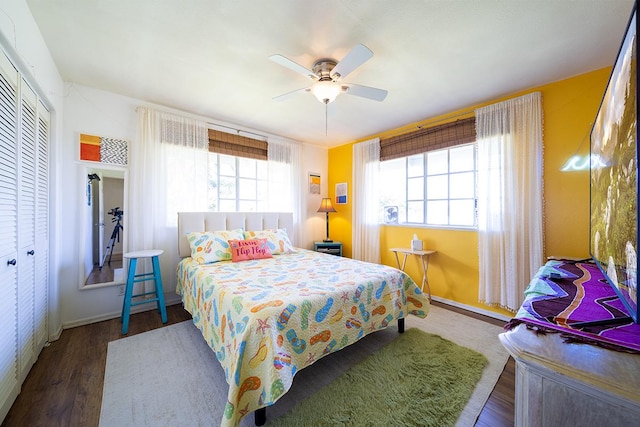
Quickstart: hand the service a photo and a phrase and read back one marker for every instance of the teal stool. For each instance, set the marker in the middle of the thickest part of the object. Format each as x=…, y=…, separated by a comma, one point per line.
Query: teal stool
x=132, y=278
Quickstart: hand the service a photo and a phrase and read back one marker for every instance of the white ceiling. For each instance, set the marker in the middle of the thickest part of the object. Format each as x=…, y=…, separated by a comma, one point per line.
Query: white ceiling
x=210, y=57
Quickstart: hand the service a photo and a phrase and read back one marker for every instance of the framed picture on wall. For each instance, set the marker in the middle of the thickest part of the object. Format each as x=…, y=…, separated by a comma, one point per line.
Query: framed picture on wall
x=103, y=150
x=341, y=193
x=314, y=183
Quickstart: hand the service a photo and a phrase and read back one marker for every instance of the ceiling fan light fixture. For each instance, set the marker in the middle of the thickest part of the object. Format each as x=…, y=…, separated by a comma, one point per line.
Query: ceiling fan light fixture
x=326, y=91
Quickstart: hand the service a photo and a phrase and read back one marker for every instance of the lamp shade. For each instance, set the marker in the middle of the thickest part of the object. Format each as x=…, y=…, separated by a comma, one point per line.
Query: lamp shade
x=325, y=91
x=326, y=206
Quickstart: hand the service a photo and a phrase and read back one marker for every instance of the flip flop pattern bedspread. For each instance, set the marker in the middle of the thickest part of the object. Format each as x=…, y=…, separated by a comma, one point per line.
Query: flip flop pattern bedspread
x=267, y=319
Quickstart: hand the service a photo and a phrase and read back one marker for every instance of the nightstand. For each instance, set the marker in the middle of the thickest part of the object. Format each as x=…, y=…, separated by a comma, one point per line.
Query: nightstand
x=331, y=248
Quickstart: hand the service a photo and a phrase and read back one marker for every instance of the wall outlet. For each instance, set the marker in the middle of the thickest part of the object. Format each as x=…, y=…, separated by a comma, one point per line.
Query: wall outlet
x=120, y=290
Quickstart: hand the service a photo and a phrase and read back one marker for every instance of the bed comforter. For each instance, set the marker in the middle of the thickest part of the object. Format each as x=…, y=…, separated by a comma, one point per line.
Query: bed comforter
x=267, y=319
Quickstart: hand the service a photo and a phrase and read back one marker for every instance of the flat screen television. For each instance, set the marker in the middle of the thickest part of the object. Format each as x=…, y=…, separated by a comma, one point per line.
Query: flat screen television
x=614, y=176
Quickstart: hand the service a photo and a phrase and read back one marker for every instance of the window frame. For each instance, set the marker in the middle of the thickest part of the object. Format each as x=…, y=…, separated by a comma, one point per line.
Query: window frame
x=425, y=190
x=214, y=198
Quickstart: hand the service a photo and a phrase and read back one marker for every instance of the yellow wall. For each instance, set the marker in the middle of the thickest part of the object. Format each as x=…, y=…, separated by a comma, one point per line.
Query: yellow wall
x=569, y=106
x=340, y=159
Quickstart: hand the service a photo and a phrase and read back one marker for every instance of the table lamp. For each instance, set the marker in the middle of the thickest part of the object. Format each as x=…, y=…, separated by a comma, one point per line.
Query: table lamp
x=326, y=206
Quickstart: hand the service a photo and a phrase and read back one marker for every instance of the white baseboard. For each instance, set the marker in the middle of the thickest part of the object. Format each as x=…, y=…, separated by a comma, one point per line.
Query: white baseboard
x=171, y=299
x=56, y=334
x=484, y=312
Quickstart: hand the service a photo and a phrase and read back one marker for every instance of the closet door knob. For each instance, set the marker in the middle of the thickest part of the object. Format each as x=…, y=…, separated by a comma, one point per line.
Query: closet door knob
x=12, y=262
x=31, y=252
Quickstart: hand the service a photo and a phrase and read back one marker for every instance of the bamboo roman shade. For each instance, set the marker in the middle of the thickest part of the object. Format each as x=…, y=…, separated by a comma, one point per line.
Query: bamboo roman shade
x=236, y=145
x=462, y=131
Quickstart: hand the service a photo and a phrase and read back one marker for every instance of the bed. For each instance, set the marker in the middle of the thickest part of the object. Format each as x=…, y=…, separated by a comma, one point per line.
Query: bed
x=266, y=319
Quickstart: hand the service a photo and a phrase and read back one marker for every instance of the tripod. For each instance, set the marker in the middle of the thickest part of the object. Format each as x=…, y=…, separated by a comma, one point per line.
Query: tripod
x=115, y=235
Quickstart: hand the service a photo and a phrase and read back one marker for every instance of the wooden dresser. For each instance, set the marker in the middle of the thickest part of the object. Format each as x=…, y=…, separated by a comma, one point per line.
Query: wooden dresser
x=560, y=384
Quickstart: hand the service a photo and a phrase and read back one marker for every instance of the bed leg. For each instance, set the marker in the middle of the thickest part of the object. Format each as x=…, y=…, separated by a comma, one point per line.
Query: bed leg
x=401, y=325
x=260, y=416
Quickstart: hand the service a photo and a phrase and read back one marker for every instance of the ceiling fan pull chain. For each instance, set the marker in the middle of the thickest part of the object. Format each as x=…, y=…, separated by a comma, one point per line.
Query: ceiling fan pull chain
x=326, y=119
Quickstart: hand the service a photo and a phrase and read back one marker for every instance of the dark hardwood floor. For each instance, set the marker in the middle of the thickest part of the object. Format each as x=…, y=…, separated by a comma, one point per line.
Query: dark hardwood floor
x=64, y=387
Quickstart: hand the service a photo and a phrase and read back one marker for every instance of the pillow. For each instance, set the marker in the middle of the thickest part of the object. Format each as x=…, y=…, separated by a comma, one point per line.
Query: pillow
x=277, y=239
x=242, y=250
x=212, y=246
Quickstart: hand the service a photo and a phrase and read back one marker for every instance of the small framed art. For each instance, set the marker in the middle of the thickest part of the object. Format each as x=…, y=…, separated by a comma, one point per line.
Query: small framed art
x=104, y=150
x=341, y=193
x=314, y=183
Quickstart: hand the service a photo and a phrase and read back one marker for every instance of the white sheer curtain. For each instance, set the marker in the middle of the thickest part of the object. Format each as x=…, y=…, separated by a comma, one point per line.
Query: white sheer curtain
x=366, y=177
x=285, y=178
x=510, y=198
x=168, y=174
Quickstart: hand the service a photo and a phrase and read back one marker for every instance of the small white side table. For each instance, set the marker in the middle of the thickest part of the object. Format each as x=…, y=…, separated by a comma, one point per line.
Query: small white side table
x=424, y=260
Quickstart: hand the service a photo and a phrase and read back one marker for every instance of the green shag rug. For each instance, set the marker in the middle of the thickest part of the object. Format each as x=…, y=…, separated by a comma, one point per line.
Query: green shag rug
x=417, y=379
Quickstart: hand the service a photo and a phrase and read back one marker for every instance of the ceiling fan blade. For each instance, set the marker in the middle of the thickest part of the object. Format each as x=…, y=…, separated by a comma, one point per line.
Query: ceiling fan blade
x=355, y=58
x=294, y=66
x=291, y=94
x=365, y=91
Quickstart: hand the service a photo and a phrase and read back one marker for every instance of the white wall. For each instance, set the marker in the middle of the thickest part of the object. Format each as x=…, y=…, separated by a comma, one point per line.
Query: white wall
x=316, y=160
x=21, y=40
x=96, y=112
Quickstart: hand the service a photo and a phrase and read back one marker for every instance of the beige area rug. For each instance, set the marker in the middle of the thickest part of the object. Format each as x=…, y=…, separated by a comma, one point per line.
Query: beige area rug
x=170, y=377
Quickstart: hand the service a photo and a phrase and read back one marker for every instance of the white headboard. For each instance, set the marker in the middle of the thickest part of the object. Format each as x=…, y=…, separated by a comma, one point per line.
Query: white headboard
x=214, y=221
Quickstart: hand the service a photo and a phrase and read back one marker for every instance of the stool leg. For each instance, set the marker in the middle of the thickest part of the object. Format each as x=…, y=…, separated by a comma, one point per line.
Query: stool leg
x=159, y=291
x=128, y=293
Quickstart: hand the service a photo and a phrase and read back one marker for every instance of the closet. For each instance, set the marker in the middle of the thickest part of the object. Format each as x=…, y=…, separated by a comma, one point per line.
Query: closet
x=24, y=230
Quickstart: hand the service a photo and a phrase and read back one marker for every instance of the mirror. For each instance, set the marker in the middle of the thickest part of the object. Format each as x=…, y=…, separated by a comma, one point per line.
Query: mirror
x=104, y=227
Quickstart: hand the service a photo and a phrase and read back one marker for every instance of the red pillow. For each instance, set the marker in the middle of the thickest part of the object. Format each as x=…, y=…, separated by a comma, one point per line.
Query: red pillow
x=242, y=250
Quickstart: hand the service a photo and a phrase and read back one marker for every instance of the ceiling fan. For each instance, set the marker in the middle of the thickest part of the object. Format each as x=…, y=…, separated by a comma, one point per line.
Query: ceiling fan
x=327, y=74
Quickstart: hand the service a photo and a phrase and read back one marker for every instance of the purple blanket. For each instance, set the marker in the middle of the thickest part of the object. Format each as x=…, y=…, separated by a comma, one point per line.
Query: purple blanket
x=564, y=293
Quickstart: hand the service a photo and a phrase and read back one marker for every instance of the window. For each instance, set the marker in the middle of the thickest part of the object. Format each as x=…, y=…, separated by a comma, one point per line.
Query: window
x=237, y=184
x=434, y=188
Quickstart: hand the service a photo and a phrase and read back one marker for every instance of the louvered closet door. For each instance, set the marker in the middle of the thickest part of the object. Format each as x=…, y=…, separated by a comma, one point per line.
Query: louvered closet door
x=8, y=234
x=26, y=230
x=41, y=288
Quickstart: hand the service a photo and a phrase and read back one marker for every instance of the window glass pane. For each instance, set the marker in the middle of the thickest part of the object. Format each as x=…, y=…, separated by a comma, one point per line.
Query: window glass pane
x=212, y=183
x=415, y=212
x=246, y=206
x=437, y=162
x=227, y=188
x=246, y=167
x=461, y=158
x=462, y=212
x=262, y=190
x=227, y=165
x=227, y=205
x=437, y=187
x=437, y=212
x=415, y=166
x=263, y=205
x=415, y=188
x=212, y=198
x=462, y=185
x=247, y=189
x=213, y=165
